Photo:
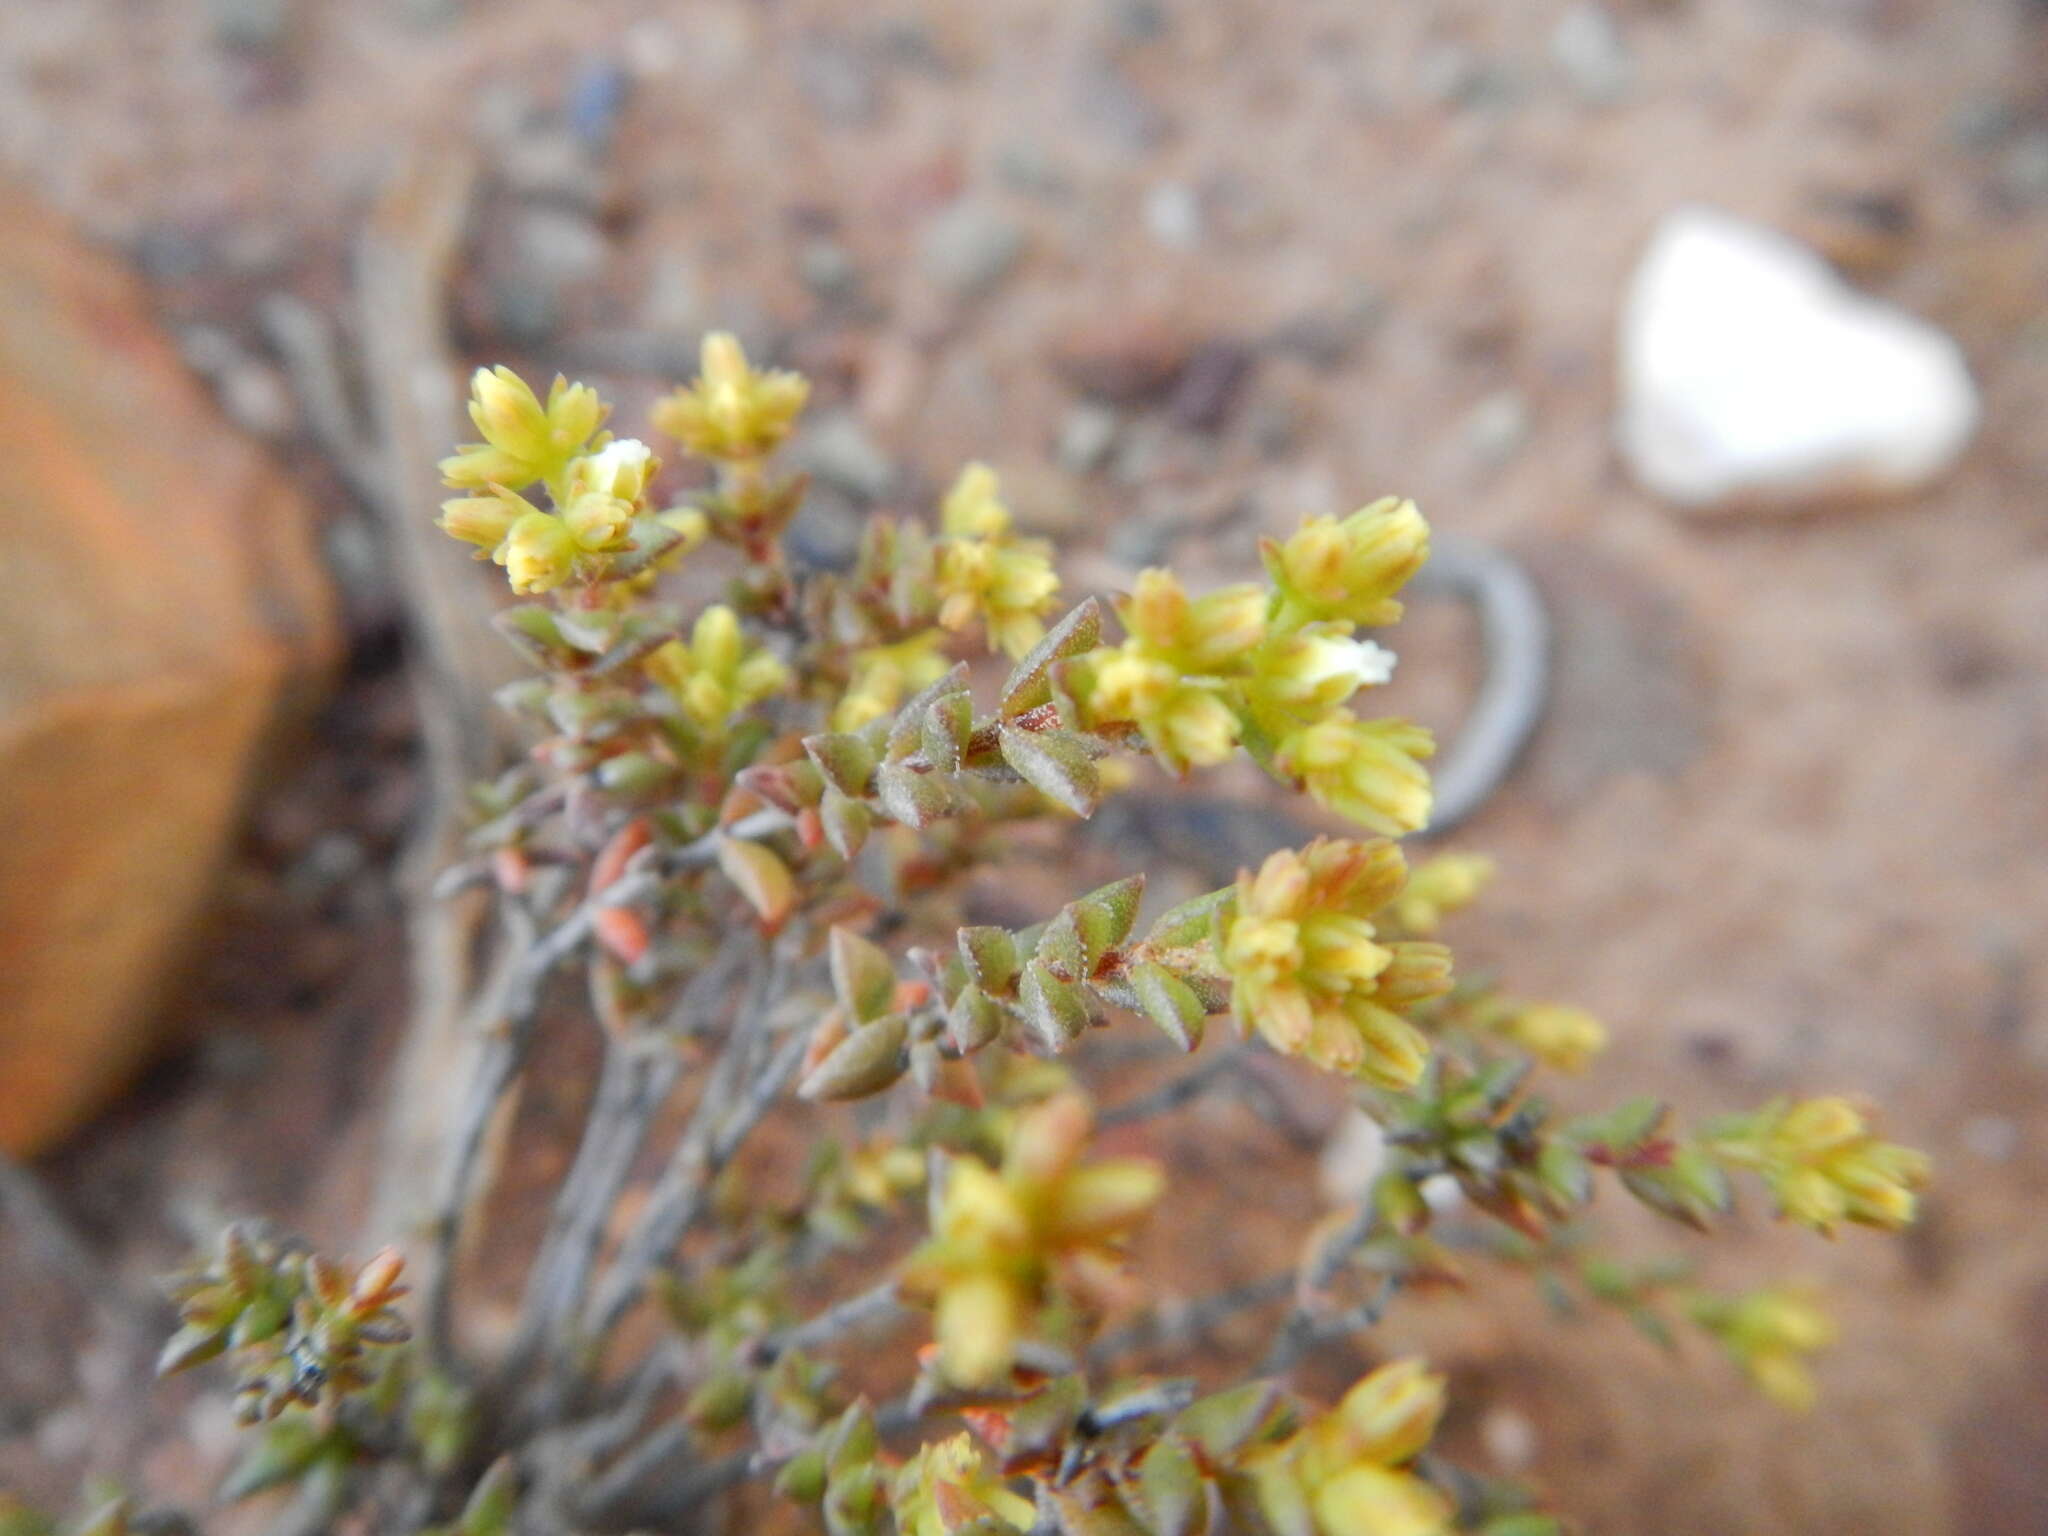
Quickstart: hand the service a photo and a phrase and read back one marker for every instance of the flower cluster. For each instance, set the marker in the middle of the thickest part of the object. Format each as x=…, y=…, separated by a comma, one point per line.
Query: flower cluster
x=1823, y=1164
x=728, y=811
x=1001, y=1235
x=1346, y=1472
x=1272, y=668
x=985, y=571
x=1769, y=1334
x=597, y=483
x=1309, y=970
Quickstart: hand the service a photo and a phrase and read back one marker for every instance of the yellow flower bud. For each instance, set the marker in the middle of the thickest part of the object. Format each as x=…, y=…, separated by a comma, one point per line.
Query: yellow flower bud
x=1824, y=1166
x=1559, y=1036
x=1390, y=1415
x=1448, y=883
x=620, y=469
x=482, y=520
x=885, y=675
x=1372, y=1501
x=539, y=553
x=1367, y=771
x=1349, y=570
x=1307, y=968
x=973, y=508
x=1200, y=636
x=732, y=410
x=524, y=441
x=598, y=522
x=978, y=1319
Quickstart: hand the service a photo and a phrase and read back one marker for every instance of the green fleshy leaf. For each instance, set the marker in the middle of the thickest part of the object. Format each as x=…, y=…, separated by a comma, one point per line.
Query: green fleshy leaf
x=1058, y=764
x=1030, y=683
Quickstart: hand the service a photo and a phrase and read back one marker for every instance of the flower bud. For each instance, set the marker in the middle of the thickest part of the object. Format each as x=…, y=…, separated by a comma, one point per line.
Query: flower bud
x=1390, y=1415
x=539, y=553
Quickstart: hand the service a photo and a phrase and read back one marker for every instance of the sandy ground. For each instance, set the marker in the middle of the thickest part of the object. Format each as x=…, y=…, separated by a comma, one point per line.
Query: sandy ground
x=1783, y=825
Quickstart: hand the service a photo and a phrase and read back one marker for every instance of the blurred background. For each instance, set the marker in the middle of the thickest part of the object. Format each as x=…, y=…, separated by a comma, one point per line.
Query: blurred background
x=1184, y=271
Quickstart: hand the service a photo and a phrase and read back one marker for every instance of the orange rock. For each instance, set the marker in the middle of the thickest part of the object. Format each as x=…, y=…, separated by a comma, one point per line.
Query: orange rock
x=163, y=604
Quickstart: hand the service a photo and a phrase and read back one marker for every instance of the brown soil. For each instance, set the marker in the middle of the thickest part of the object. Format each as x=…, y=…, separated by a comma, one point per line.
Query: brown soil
x=1782, y=826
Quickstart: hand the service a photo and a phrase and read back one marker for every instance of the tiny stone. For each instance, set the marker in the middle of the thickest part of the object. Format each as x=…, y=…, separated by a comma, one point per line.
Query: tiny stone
x=839, y=452
x=969, y=248
x=1024, y=166
x=1173, y=215
x=1352, y=1159
x=208, y=350
x=1509, y=1438
x=597, y=95
x=1588, y=48
x=2023, y=170
x=828, y=269
x=838, y=81
x=1980, y=123
x=674, y=304
x=1275, y=426
x=556, y=245
x=1449, y=75
x=1327, y=339
x=1137, y=21
x=1497, y=428
x=1086, y=438
x=250, y=24
x=1110, y=102
x=550, y=167
x=1441, y=1193
x=256, y=398
x=167, y=254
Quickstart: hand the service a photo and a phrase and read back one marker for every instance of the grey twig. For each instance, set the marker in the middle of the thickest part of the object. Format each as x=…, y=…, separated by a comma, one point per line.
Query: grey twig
x=877, y=1304
x=1195, y=1320
x=1183, y=1088
x=1317, y=1272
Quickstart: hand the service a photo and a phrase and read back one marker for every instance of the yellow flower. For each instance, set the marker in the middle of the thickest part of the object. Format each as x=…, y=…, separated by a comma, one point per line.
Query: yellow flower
x=484, y=521
x=885, y=675
x=1309, y=971
x=733, y=410
x=1185, y=721
x=1556, y=1035
x=1367, y=771
x=1769, y=1334
x=1824, y=1166
x=1389, y=1416
x=1304, y=675
x=717, y=674
x=1349, y=570
x=1345, y=1470
x=620, y=470
x=973, y=508
x=539, y=553
x=1372, y=1501
x=999, y=1236
x=945, y=1486
x=983, y=570
x=524, y=440
x=1202, y=636
x=1448, y=883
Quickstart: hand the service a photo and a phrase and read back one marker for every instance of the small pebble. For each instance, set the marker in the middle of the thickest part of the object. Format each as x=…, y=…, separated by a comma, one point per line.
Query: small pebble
x=256, y=398
x=1509, y=1438
x=1086, y=438
x=828, y=269
x=2022, y=175
x=597, y=97
x=1497, y=428
x=839, y=452
x=969, y=248
x=838, y=80
x=1023, y=165
x=1173, y=215
x=1588, y=49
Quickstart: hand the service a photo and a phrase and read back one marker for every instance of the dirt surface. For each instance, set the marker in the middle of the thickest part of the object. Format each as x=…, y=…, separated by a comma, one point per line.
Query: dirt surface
x=1783, y=825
